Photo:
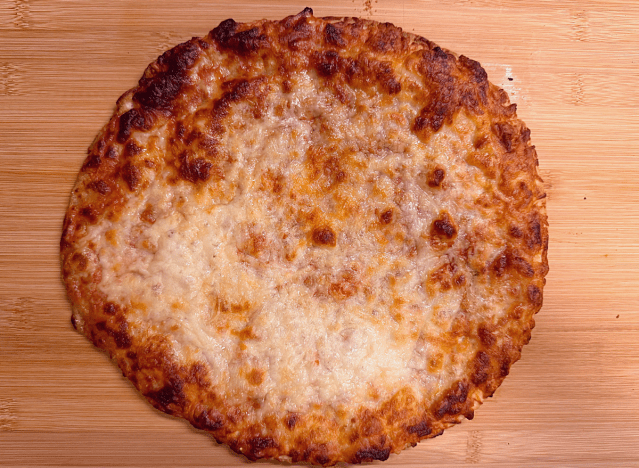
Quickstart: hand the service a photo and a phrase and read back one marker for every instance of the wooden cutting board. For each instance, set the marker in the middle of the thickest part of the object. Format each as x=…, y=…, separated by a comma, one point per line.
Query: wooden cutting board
x=573, y=68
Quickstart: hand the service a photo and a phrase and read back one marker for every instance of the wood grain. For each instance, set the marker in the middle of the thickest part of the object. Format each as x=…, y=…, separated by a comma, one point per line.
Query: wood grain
x=573, y=68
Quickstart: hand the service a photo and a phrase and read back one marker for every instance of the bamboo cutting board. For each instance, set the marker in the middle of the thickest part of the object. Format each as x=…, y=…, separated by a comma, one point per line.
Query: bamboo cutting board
x=573, y=68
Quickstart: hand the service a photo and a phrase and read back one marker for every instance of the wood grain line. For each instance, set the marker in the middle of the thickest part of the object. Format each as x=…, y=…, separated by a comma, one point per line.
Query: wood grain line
x=580, y=25
x=16, y=321
x=473, y=447
x=21, y=14
x=8, y=415
x=10, y=80
x=166, y=40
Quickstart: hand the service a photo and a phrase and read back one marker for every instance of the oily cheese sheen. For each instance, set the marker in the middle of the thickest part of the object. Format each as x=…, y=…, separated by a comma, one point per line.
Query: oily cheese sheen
x=317, y=239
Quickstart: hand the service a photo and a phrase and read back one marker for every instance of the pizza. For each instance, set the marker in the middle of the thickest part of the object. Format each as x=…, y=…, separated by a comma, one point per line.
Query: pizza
x=316, y=239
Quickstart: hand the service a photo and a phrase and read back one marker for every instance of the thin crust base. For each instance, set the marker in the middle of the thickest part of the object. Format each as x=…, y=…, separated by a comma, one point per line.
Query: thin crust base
x=334, y=187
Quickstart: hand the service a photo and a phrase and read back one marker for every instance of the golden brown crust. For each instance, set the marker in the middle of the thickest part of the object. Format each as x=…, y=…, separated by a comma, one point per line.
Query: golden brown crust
x=347, y=56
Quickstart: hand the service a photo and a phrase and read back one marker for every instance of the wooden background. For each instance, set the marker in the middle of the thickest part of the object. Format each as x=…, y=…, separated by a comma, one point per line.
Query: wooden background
x=573, y=68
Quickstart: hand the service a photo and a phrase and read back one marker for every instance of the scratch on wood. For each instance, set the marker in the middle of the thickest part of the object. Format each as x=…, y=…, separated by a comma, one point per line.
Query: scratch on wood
x=21, y=14
x=16, y=318
x=167, y=40
x=577, y=91
x=473, y=447
x=8, y=415
x=10, y=80
x=580, y=25
x=508, y=81
x=549, y=179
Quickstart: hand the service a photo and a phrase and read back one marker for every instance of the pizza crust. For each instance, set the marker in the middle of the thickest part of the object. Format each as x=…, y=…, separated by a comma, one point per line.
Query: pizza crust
x=318, y=240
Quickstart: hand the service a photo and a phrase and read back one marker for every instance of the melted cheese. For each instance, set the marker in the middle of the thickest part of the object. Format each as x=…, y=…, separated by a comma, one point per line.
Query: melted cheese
x=230, y=269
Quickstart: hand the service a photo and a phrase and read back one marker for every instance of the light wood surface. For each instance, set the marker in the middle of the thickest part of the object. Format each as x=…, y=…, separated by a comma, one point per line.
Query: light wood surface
x=573, y=68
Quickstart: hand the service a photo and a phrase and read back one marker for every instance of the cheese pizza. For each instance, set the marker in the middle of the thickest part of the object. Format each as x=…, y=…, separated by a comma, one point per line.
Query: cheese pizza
x=316, y=239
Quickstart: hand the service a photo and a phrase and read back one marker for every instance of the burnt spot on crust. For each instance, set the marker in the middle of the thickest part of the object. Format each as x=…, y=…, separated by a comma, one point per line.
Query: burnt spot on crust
x=386, y=77
x=500, y=265
x=297, y=31
x=534, y=239
x=100, y=186
x=198, y=374
x=436, y=177
x=432, y=119
x=169, y=397
x=327, y=63
x=511, y=261
x=245, y=42
x=79, y=261
x=436, y=65
x=208, y=420
x=134, y=119
x=448, y=94
x=164, y=80
x=92, y=161
x=258, y=445
x=421, y=429
x=443, y=228
x=238, y=90
x=110, y=308
x=386, y=217
x=481, y=365
x=479, y=75
x=111, y=153
x=522, y=266
x=291, y=420
x=194, y=169
x=315, y=453
x=89, y=213
x=324, y=236
x=432, y=178
x=149, y=214
x=132, y=175
x=535, y=295
x=131, y=149
x=333, y=35
x=120, y=335
x=453, y=401
x=504, y=368
x=485, y=336
x=363, y=72
x=506, y=134
x=516, y=232
x=306, y=12
x=371, y=454
x=224, y=31
x=386, y=38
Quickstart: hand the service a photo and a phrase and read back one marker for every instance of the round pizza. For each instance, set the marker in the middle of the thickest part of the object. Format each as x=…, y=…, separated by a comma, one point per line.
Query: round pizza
x=316, y=239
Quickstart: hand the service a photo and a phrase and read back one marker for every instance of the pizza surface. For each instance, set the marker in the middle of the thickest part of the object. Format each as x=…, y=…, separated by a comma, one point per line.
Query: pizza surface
x=317, y=239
